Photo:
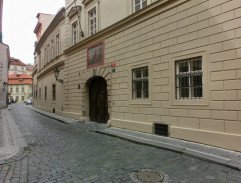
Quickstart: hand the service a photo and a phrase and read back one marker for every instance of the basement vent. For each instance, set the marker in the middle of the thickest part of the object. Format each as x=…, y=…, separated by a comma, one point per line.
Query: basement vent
x=53, y=110
x=161, y=129
x=35, y=144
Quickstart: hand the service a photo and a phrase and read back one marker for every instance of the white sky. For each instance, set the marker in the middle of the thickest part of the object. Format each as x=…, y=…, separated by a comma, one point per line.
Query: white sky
x=19, y=21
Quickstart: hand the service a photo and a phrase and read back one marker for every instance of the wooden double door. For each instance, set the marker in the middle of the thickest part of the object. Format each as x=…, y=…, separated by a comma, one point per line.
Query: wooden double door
x=98, y=101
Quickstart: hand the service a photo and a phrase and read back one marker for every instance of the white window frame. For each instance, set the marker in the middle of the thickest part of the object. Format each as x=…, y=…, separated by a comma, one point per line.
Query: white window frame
x=141, y=80
x=57, y=45
x=48, y=53
x=189, y=75
x=92, y=26
x=204, y=100
x=52, y=49
x=141, y=3
x=75, y=33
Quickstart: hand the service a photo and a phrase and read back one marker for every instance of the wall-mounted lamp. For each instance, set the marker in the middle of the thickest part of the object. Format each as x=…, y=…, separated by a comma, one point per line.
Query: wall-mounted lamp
x=82, y=34
x=4, y=85
x=56, y=74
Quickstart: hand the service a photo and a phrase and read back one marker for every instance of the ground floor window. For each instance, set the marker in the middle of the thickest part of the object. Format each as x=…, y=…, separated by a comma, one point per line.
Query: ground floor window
x=54, y=92
x=140, y=83
x=45, y=93
x=189, y=76
x=22, y=98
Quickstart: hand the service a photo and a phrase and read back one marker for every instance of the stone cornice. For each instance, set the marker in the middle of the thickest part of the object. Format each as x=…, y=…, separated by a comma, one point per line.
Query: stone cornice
x=55, y=22
x=50, y=69
x=87, y=2
x=130, y=21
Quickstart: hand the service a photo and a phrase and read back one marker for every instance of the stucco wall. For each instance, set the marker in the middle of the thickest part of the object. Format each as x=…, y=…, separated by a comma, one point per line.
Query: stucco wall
x=208, y=28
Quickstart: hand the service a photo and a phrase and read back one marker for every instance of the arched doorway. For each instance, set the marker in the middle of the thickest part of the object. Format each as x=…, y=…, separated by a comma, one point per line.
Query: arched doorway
x=98, y=100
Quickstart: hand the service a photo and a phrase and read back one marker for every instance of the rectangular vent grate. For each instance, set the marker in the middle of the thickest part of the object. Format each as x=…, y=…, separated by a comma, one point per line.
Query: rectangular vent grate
x=35, y=144
x=161, y=129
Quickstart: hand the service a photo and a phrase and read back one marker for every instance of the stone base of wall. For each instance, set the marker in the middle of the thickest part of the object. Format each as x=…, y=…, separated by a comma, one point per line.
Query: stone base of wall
x=77, y=116
x=132, y=125
x=223, y=140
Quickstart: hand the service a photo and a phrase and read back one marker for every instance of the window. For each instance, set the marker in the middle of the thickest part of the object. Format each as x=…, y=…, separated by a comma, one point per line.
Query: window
x=22, y=88
x=75, y=33
x=52, y=49
x=17, y=90
x=39, y=93
x=48, y=53
x=22, y=68
x=189, y=78
x=92, y=22
x=54, y=92
x=17, y=98
x=45, y=93
x=57, y=45
x=11, y=89
x=139, y=4
x=140, y=83
x=22, y=98
x=45, y=56
x=15, y=67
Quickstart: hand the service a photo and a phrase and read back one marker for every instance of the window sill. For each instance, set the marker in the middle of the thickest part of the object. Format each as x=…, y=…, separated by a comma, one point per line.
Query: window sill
x=140, y=102
x=193, y=102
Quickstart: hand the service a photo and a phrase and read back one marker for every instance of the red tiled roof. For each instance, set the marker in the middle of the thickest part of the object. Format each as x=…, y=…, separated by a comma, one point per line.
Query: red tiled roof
x=20, y=79
x=14, y=61
x=20, y=82
x=20, y=76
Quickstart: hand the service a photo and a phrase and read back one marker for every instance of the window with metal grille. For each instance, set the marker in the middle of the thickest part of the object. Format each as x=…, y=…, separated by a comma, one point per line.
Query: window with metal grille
x=140, y=88
x=75, y=33
x=92, y=21
x=139, y=4
x=161, y=129
x=45, y=93
x=189, y=78
x=54, y=92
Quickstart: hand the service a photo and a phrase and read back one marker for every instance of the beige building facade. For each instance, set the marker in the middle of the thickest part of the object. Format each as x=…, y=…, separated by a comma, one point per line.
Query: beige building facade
x=164, y=67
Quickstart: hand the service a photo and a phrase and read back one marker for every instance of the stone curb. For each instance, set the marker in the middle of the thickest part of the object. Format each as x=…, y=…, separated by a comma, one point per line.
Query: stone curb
x=178, y=149
x=56, y=117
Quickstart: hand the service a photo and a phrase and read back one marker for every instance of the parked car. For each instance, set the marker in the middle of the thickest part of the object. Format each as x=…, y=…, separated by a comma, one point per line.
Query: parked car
x=29, y=102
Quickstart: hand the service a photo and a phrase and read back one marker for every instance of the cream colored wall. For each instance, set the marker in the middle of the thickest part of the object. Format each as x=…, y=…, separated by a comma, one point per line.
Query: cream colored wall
x=27, y=92
x=16, y=71
x=198, y=27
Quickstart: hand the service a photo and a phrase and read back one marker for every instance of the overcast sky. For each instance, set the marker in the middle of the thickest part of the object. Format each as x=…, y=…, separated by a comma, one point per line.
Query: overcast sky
x=19, y=21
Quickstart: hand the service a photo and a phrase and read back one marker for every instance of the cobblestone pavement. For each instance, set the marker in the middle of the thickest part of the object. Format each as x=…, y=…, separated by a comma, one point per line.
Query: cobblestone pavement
x=74, y=153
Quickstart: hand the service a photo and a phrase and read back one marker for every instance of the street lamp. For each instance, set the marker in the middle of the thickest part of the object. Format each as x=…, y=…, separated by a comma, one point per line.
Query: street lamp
x=4, y=85
x=56, y=74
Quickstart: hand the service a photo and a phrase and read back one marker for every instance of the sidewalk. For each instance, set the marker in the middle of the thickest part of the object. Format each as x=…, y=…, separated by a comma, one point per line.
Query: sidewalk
x=11, y=139
x=220, y=156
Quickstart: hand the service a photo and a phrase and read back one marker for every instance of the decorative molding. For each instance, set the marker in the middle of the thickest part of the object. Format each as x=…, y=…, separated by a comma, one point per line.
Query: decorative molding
x=87, y=2
x=74, y=11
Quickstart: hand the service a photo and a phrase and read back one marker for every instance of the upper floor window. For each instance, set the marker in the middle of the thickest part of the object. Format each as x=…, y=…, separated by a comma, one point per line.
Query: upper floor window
x=139, y=4
x=189, y=76
x=75, y=33
x=15, y=67
x=57, y=45
x=92, y=21
x=23, y=89
x=48, y=53
x=22, y=68
x=45, y=56
x=140, y=83
x=52, y=49
x=17, y=90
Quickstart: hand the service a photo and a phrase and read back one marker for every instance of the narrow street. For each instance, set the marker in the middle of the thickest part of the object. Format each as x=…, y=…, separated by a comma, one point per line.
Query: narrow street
x=61, y=152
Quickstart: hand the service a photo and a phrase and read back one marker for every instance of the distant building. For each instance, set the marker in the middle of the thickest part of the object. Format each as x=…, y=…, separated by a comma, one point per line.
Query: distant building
x=4, y=65
x=20, y=87
x=29, y=69
x=17, y=67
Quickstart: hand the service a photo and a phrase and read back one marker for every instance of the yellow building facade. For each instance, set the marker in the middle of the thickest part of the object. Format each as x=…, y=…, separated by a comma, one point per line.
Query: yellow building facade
x=164, y=67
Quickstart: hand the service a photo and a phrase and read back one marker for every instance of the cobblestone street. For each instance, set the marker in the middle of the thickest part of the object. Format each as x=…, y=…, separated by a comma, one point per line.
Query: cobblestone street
x=61, y=152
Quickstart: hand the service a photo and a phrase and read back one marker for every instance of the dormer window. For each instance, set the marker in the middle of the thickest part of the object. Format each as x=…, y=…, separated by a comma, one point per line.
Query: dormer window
x=18, y=75
x=20, y=81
